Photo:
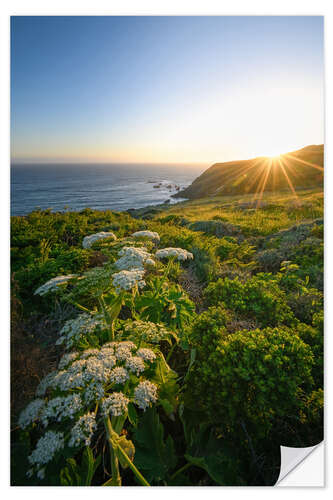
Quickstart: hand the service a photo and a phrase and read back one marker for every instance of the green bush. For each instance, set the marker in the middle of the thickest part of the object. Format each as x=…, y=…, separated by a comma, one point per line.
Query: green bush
x=259, y=297
x=251, y=377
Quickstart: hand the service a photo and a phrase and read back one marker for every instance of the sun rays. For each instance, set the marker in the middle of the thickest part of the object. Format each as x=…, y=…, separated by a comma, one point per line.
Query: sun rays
x=269, y=174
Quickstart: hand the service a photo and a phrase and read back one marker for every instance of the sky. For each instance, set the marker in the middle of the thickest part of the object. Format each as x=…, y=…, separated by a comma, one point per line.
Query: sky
x=164, y=89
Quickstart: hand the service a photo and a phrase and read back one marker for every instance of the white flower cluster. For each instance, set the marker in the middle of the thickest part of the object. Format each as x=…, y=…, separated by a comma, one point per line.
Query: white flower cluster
x=53, y=284
x=132, y=258
x=75, y=328
x=93, y=282
x=179, y=253
x=144, y=394
x=67, y=359
x=89, y=240
x=61, y=407
x=94, y=375
x=151, y=235
x=31, y=413
x=45, y=383
x=146, y=354
x=135, y=364
x=126, y=280
x=147, y=331
x=119, y=375
x=46, y=448
x=115, y=405
x=83, y=430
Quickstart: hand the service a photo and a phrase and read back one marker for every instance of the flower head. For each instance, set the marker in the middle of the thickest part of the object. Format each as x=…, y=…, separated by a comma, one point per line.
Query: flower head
x=83, y=430
x=31, y=413
x=53, y=284
x=178, y=253
x=132, y=258
x=46, y=448
x=145, y=394
x=89, y=240
x=115, y=404
x=151, y=235
x=126, y=280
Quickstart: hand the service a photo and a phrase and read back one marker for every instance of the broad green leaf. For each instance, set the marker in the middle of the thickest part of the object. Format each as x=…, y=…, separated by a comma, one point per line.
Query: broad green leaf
x=155, y=456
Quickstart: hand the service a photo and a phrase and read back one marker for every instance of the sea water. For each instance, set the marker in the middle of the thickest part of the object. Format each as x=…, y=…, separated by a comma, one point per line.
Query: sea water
x=101, y=187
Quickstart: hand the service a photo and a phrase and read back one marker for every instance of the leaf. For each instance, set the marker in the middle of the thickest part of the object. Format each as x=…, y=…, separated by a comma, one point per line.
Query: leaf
x=217, y=456
x=80, y=475
x=132, y=415
x=155, y=456
x=128, y=448
x=166, y=379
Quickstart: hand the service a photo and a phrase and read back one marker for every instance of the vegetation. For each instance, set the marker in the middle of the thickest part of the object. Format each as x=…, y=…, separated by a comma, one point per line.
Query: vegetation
x=250, y=176
x=182, y=367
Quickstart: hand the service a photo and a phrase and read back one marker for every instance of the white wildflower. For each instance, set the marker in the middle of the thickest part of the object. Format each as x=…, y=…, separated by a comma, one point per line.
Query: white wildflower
x=98, y=369
x=93, y=392
x=107, y=356
x=31, y=413
x=151, y=235
x=147, y=331
x=118, y=375
x=41, y=473
x=89, y=240
x=67, y=359
x=109, y=345
x=45, y=383
x=132, y=258
x=126, y=280
x=83, y=430
x=72, y=378
x=115, y=404
x=178, y=253
x=123, y=350
x=61, y=407
x=144, y=394
x=78, y=327
x=150, y=263
x=53, y=284
x=135, y=365
x=89, y=352
x=46, y=448
x=146, y=354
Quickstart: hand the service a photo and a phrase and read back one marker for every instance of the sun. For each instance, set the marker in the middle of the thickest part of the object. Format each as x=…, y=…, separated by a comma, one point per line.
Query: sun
x=273, y=157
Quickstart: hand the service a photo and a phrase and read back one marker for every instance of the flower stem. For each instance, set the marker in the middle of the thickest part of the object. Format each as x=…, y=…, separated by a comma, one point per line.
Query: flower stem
x=115, y=449
x=116, y=477
x=130, y=464
x=179, y=471
x=170, y=352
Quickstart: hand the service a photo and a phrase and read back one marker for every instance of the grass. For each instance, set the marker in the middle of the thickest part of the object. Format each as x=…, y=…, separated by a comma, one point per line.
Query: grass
x=277, y=211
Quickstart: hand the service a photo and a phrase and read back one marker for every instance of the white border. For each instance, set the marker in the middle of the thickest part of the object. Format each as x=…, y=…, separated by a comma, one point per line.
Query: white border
x=140, y=7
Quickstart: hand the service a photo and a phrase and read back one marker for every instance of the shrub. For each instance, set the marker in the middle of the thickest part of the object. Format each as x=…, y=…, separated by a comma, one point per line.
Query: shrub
x=270, y=260
x=225, y=248
x=209, y=328
x=313, y=336
x=259, y=297
x=252, y=377
x=216, y=228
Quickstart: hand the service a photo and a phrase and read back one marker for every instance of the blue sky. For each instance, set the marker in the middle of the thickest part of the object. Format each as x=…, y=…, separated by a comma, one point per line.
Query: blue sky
x=164, y=89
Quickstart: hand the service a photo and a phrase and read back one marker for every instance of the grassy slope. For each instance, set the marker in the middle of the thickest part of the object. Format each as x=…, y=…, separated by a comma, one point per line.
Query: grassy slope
x=277, y=211
x=246, y=176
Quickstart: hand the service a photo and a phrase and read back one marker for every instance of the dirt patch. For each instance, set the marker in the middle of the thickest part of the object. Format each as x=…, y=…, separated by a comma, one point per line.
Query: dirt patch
x=193, y=287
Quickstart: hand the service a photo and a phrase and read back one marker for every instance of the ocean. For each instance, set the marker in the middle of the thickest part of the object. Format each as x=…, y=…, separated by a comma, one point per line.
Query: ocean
x=107, y=186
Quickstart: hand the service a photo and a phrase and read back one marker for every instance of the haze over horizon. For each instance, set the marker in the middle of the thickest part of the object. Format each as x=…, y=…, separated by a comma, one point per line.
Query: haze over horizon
x=164, y=89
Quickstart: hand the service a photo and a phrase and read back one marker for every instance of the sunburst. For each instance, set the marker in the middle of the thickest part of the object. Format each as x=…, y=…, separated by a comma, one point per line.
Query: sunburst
x=264, y=168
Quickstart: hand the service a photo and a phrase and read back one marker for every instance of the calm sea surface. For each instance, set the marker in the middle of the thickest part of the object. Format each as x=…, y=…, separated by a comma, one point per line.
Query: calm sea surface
x=107, y=186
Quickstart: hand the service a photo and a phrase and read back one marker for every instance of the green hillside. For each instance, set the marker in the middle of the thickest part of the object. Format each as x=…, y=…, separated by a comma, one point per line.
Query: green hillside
x=298, y=169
